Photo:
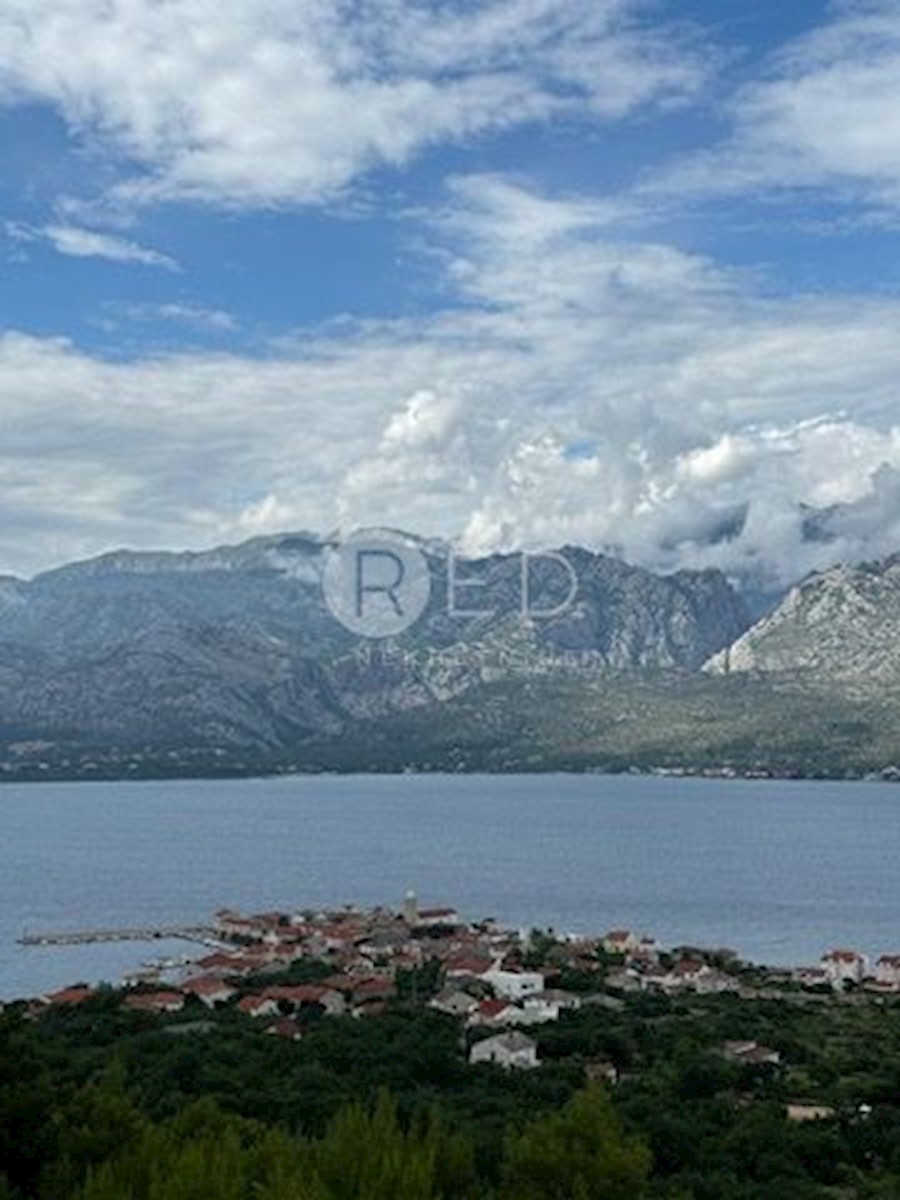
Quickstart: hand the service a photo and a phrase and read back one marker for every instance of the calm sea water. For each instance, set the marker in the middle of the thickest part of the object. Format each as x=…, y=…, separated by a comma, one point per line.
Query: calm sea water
x=778, y=871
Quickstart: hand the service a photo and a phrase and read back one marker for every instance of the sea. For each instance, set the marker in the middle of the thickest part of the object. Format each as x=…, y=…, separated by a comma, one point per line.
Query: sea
x=778, y=871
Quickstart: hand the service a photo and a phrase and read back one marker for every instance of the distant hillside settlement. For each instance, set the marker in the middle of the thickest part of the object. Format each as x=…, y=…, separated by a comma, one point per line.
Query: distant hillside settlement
x=283, y=970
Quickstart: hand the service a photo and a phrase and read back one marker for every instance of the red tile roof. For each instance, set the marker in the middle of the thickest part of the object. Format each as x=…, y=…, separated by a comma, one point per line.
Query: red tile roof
x=224, y=962
x=72, y=995
x=252, y=1004
x=206, y=985
x=468, y=966
x=493, y=1008
x=377, y=986
x=845, y=956
x=154, y=1001
x=307, y=993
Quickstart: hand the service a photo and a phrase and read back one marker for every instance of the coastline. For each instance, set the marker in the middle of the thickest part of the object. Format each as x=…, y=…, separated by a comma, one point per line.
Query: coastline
x=377, y=942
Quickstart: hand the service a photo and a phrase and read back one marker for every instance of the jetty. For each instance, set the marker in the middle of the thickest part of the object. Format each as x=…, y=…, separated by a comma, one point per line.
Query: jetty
x=149, y=933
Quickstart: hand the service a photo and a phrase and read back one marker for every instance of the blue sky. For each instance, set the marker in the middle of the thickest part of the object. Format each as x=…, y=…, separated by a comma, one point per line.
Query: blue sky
x=516, y=272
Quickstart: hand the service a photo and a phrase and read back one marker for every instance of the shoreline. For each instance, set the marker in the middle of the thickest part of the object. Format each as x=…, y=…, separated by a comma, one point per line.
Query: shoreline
x=889, y=775
x=274, y=942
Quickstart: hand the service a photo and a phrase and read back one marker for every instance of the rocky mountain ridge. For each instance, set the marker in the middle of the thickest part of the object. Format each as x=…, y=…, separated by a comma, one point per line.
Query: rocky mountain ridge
x=839, y=627
x=230, y=660
x=235, y=647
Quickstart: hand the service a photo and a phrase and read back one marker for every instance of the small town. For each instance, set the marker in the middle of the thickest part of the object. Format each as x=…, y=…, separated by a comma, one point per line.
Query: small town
x=447, y=1037
x=284, y=969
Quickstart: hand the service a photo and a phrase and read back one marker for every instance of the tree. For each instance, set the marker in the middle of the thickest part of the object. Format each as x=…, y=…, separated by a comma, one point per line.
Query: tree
x=579, y=1153
x=369, y=1156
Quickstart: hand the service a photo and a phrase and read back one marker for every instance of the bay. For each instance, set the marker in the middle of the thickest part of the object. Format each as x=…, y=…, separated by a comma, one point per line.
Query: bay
x=779, y=871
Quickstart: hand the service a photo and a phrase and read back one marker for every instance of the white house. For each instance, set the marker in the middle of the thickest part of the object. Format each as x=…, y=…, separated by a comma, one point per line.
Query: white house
x=512, y=1051
x=887, y=970
x=514, y=985
x=810, y=976
x=685, y=976
x=714, y=982
x=625, y=979
x=454, y=1003
x=495, y=1012
x=844, y=966
x=621, y=941
x=468, y=967
x=444, y=917
x=647, y=952
x=547, y=1005
x=750, y=1054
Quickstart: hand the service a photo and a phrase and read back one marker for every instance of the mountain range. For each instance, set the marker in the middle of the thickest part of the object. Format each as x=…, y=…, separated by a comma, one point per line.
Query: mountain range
x=230, y=661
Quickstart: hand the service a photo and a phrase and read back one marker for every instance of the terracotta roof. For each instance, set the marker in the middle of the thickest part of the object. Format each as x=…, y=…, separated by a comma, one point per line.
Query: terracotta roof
x=206, y=985
x=689, y=966
x=377, y=986
x=846, y=956
x=372, y=1008
x=493, y=1008
x=306, y=993
x=72, y=995
x=154, y=1001
x=214, y=962
x=468, y=966
x=253, y=1004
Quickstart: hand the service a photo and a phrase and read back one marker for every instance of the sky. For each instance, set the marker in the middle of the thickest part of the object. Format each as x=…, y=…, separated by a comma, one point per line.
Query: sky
x=518, y=273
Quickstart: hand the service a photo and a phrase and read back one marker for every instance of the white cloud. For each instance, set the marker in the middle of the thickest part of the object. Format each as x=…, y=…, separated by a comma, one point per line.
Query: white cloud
x=581, y=384
x=75, y=242
x=267, y=515
x=424, y=420
x=289, y=101
x=824, y=117
x=193, y=316
x=583, y=389
x=213, y=319
x=728, y=458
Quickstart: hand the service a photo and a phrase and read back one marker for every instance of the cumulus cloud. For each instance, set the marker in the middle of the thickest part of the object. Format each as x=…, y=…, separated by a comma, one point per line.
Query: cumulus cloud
x=728, y=458
x=424, y=420
x=289, y=101
x=580, y=382
x=870, y=524
x=577, y=387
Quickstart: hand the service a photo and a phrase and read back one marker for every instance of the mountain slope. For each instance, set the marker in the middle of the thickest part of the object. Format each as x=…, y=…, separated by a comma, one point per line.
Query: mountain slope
x=839, y=628
x=235, y=649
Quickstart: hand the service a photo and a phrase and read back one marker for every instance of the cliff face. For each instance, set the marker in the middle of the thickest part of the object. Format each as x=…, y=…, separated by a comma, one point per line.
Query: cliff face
x=236, y=647
x=838, y=628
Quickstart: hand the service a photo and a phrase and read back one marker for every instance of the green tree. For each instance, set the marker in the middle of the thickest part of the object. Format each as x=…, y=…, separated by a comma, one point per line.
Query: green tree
x=367, y=1155
x=579, y=1153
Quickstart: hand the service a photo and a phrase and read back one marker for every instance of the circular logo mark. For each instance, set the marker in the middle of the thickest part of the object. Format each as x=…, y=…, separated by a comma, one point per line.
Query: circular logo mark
x=376, y=583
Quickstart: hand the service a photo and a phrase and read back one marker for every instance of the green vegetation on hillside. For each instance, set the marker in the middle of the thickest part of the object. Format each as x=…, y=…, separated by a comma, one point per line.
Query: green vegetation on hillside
x=628, y=721
x=100, y=1103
